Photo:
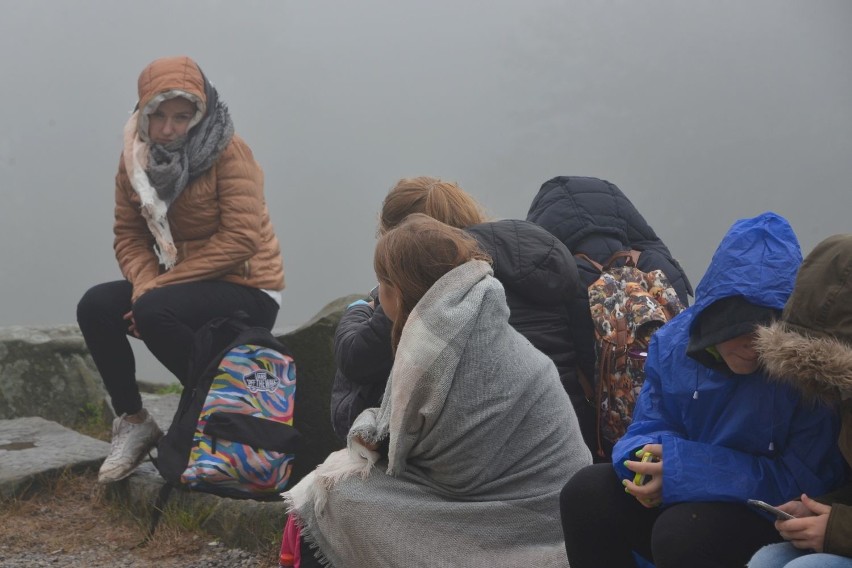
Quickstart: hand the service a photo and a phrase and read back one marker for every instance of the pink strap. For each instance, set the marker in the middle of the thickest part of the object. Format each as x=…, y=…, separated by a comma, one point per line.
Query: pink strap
x=291, y=545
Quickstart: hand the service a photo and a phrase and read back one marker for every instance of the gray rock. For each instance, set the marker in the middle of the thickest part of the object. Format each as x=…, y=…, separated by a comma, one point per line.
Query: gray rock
x=34, y=449
x=245, y=523
x=312, y=346
x=55, y=361
x=48, y=372
x=161, y=407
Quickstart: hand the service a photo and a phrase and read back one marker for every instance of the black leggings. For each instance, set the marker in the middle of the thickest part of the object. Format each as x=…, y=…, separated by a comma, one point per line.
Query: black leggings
x=167, y=319
x=603, y=524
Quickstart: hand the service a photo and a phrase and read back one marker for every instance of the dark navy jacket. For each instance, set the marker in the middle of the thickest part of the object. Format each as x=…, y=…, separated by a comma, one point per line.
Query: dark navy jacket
x=593, y=217
x=540, y=278
x=362, y=351
x=732, y=437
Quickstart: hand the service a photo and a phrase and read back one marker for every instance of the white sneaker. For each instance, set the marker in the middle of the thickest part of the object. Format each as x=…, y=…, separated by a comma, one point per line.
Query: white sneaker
x=130, y=443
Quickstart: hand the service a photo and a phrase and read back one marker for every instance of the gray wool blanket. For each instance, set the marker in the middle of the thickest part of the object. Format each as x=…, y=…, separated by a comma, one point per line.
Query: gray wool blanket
x=482, y=438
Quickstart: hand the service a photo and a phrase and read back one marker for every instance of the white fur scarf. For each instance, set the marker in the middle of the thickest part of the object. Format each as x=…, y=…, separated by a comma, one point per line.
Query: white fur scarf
x=154, y=209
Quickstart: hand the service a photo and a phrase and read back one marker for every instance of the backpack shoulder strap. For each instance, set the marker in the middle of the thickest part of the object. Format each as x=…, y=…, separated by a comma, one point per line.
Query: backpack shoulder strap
x=597, y=265
x=631, y=256
x=586, y=385
x=157, y=508
x=260, y=336
x=210, y=340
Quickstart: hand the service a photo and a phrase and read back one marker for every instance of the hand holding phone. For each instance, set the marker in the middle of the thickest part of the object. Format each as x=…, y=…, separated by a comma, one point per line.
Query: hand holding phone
x=647, y=482
x=642, y=478
x=779, y=514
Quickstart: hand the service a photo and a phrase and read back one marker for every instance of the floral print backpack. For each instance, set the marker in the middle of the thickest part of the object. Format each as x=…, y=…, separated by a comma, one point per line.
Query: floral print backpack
x=627, y=307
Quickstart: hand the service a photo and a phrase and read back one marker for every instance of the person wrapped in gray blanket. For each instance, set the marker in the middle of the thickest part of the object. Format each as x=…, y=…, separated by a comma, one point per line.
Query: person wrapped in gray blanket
x=538, y=274
x=480, y=433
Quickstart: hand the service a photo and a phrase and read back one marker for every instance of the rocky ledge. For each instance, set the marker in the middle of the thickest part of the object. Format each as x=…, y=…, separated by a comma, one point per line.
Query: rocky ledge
x=50, y=389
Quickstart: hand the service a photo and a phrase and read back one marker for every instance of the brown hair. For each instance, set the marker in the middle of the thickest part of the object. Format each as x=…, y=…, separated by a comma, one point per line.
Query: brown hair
x=441, y=200
x=416, y=254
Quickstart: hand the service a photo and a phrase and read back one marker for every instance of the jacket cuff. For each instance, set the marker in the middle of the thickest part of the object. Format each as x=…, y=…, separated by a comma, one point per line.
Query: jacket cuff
x=838, y=532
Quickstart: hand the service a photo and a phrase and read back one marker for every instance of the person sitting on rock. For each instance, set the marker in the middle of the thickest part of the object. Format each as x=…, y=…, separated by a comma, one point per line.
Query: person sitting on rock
x=537, y=272
x=719, y=430
x=478, y=429
x=810, y=348
x=193, y=240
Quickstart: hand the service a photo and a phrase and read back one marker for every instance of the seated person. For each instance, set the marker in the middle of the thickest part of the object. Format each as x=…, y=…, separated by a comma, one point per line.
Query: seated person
x=595, y=218
x=811, y=349
x=537, y=272
x=479, y=431
x=193, y=239
x=721, y=432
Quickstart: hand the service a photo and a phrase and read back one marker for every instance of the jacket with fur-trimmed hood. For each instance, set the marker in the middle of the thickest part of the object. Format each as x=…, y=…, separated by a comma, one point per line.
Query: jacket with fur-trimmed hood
x=811, y=347
x=217, y=228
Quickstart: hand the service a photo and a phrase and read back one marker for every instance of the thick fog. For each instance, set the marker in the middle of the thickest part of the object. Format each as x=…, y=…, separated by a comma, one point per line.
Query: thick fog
x=703, y=112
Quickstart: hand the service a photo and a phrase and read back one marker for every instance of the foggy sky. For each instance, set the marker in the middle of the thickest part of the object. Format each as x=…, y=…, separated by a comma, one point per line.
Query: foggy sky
x=703, y=112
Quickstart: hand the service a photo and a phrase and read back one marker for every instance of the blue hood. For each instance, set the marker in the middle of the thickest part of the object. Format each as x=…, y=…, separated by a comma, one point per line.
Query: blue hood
x=758, y=259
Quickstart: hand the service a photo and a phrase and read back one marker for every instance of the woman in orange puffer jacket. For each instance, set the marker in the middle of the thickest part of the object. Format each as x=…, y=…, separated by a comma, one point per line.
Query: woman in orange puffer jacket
x=193, y=240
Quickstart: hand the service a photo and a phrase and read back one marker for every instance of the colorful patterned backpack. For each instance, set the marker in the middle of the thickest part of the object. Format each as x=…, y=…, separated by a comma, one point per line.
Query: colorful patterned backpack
x=233, y=433
x=627, y=307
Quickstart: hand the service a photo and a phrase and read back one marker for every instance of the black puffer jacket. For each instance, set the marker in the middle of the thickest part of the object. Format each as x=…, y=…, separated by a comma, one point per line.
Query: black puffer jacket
x=540, y=278
x=593, y=217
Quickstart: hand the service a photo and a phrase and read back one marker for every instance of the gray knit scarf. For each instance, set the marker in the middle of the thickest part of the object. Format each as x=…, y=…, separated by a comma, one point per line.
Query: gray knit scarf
x=173, y=166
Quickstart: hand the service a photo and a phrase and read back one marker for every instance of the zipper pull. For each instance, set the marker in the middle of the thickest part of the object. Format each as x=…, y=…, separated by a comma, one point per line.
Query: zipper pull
x=695, y=395
x=771, y=446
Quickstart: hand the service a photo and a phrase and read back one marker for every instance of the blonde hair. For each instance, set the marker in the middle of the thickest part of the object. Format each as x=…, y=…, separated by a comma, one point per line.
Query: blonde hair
x=414, y=255
x=441, y=200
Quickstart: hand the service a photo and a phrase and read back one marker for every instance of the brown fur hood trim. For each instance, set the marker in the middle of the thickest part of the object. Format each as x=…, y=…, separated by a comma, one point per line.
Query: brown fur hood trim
x=820, y=366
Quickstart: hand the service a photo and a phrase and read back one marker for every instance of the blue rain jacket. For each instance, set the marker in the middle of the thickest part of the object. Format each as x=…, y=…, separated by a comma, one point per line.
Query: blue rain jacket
x=732, y=437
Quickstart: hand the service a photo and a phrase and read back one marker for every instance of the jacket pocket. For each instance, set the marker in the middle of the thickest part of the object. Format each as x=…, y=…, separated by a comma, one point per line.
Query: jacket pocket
x=254, y=431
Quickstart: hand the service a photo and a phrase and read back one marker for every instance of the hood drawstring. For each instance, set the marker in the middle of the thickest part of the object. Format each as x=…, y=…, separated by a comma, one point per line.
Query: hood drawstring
x=772, y=421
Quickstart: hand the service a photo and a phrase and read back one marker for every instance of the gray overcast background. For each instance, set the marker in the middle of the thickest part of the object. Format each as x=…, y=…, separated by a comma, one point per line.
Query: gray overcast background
x=703, y=112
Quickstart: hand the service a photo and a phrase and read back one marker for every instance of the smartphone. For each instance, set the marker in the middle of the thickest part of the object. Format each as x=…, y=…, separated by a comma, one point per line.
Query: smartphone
x=374, y=295
x=642, y=478
x=779, y=514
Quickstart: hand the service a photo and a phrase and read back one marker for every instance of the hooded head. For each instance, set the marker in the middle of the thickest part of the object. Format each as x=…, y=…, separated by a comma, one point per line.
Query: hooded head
x=722, y=322
x=747, y=283
x=811, y=345
x=168, y=78
x=594, y=217
x=575, y=208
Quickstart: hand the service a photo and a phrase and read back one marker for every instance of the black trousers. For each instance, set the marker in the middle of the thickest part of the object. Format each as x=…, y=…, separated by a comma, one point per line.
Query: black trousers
x=167, y=319
x=603, y=524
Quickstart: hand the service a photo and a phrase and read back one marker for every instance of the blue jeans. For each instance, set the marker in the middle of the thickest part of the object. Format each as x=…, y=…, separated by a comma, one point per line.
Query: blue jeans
x=785, y=555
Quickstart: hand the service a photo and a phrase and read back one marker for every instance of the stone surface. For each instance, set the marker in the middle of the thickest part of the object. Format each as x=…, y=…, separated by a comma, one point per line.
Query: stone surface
x=162, y=407
x=48, y=372
x=34, y=448
x=241, y=523
x=313, y=350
